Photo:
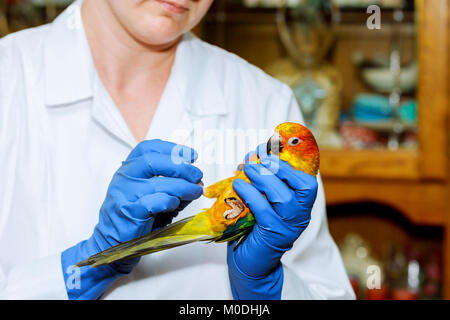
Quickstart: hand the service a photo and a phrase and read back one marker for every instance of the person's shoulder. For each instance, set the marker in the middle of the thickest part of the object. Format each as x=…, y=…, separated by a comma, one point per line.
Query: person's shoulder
x=237, y=73
x=20, y=52
x=15, y=46
x=24, y=37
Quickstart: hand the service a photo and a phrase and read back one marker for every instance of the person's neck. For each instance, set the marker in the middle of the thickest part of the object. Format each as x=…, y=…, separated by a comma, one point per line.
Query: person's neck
x=134, y=74
x=121, y=60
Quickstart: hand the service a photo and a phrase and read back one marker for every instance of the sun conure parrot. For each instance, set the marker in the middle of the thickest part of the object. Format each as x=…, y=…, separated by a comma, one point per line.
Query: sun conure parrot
x=228, y=218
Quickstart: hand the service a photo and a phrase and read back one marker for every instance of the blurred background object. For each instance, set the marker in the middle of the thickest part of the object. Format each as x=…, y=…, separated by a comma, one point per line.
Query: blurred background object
x=378, y=101
x=16, y=15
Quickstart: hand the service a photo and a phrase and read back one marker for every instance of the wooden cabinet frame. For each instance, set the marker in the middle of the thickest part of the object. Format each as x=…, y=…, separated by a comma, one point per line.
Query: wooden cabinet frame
x=413, y=181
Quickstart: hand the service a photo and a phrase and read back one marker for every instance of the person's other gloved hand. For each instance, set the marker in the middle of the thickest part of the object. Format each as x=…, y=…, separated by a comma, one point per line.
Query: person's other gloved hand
x=155, y=182
x=255, y=270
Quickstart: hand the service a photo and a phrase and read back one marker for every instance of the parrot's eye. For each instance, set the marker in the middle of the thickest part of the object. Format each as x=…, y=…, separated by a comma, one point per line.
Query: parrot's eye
x=293, y=141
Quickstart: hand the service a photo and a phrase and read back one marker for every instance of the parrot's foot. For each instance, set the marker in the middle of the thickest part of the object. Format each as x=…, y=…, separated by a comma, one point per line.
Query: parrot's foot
x=236, y=208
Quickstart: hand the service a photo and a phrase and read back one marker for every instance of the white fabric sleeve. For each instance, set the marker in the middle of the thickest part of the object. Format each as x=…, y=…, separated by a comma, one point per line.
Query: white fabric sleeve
x=23, y=274
x=293, y=287
x=40, y=279
x=313, y=268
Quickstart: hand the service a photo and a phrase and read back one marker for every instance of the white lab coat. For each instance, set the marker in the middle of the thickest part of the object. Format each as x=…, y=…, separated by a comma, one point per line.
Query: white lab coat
x=62, y=138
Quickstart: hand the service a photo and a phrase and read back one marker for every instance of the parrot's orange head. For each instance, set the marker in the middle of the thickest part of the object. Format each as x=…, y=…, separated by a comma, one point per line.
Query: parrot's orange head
x=295, y=144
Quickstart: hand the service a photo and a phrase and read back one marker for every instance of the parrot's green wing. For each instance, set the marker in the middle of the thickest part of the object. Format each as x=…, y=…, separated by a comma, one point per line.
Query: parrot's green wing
x=166, y=238
x=158, y=240
x=238, y=231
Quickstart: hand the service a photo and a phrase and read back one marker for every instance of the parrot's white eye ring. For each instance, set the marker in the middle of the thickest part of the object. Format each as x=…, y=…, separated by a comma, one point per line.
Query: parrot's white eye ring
x=294, y=141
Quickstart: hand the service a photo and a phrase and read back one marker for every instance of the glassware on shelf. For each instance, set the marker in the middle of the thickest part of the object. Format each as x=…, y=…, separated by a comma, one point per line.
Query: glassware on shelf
x=404, y=271
x=377, y=75
x=396, y=92
x=361, y=266
x=388, y=76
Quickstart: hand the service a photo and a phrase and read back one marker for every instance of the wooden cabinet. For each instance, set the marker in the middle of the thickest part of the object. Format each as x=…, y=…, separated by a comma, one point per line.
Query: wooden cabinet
x=416, y=182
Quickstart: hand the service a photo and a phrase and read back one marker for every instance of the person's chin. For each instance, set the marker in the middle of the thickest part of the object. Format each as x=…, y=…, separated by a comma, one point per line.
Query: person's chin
x=160, y=36
x=155, y=28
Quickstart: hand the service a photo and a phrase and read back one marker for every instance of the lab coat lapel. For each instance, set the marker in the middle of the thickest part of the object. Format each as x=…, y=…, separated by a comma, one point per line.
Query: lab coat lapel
x=69, y=68
x=106, y=113
x=171, y=122
x=198, y=81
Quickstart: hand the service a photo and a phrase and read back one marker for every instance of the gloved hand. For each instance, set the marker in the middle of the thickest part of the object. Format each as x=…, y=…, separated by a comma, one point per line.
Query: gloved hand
x=255, y=270
x=155, y=182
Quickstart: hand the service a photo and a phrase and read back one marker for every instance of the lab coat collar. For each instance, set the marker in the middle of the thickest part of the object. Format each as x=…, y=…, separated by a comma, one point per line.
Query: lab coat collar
x=69, y=67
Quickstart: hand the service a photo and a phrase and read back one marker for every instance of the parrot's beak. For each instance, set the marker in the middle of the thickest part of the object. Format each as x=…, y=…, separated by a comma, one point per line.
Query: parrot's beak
x=275, y=144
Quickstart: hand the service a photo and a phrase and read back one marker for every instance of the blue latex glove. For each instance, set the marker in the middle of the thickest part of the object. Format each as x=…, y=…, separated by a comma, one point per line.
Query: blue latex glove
x=149, y=189
x=255, y=270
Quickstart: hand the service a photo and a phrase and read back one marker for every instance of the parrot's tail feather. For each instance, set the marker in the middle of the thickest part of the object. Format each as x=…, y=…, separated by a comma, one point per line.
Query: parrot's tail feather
x=174, y=227
x=151, y=246
x=162, y=239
